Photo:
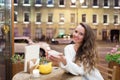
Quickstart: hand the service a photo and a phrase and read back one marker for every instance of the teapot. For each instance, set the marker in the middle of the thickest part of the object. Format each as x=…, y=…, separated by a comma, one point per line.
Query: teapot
x=45, y=68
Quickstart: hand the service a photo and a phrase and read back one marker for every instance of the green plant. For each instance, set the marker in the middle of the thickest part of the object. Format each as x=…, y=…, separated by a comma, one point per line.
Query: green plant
x=113, y=55
x=43, y=60
x=17, y=58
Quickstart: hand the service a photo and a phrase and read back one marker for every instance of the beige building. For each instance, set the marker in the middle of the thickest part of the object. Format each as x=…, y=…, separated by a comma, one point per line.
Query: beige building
x=53, y=18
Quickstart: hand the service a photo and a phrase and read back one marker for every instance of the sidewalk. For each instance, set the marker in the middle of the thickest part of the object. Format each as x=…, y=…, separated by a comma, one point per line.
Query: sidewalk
x=107, y=44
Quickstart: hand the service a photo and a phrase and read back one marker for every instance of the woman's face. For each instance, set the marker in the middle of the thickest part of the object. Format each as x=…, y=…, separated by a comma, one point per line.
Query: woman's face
x=78, y=34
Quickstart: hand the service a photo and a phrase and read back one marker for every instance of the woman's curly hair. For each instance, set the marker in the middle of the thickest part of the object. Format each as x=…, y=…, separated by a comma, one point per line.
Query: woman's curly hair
x=87, y=53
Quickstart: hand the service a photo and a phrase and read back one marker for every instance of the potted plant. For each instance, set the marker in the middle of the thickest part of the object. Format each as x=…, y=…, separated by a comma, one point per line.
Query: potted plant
x=17, y=63
x=113, y=59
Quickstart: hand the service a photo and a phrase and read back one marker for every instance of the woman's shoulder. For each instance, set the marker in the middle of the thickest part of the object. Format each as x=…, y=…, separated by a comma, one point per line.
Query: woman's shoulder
x=69, y=46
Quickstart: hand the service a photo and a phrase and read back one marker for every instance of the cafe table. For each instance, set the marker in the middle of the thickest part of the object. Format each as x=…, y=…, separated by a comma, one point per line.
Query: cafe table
x=56, y=74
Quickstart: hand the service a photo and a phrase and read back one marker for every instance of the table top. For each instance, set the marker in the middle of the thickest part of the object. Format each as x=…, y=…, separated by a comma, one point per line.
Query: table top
x=56, y=74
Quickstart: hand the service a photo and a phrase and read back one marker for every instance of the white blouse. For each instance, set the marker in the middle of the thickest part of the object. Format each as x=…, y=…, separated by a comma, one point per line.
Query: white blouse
x=75, y=69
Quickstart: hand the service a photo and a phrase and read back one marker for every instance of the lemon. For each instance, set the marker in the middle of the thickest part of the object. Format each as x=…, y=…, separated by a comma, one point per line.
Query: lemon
x=45, y=68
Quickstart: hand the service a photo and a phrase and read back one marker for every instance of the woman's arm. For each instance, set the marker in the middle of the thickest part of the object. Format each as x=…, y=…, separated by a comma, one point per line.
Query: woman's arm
x=70, y=65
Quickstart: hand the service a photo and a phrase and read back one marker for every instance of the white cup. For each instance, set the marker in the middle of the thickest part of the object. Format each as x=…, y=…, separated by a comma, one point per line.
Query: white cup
x=36, y=73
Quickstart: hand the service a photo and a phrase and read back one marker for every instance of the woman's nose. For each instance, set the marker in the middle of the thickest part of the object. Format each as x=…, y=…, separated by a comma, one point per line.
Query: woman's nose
x=76, y=34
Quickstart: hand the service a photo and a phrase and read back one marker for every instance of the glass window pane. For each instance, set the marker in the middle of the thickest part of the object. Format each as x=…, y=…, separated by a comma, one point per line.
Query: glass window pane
x=50, y=2
x=83, y=17
x=61, y=2
x=115, y=19
x=105, y=19
x=26, y=17
x=50, y=16
x=38, y=17
x=38, y=2
x=26, y=1
x=61, y=17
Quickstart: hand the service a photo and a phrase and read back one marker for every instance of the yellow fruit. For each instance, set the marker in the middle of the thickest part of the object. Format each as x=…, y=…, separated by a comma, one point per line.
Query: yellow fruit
x=45, y=68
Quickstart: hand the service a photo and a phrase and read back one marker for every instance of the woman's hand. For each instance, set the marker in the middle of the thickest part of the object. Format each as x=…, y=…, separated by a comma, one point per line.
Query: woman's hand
x=56, y=59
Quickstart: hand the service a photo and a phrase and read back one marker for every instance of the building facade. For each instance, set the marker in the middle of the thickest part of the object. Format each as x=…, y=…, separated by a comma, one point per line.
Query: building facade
x=51, y=18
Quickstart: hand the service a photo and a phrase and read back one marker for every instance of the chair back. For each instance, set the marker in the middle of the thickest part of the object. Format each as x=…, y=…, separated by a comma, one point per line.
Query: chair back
x=107, y=73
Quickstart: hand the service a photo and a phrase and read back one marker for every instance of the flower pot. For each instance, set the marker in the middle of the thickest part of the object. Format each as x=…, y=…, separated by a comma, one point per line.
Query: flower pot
x=17, y=67
x=111, y=64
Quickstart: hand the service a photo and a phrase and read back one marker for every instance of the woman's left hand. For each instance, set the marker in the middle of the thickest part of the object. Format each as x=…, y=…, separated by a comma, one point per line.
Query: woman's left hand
x=58, y=58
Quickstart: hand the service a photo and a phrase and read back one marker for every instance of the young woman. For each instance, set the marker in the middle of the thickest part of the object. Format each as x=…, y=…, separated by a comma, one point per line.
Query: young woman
x=80, y=58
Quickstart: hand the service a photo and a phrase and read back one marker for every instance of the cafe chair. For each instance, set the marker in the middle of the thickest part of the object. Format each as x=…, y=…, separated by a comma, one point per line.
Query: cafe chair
x=31, y=53
x=107, y=73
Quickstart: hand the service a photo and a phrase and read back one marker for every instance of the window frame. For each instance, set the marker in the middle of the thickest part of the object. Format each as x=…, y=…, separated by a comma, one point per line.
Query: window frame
x=15, y=17
x=108, y=4
x=50, y=18
x=26, y=4
x=83, y=19
x=115, y=20
x=107, y=17
x=38, y=22
x=95, y=6
x=85, y=2
x=26, y=22
x=116, y=7
x=96, y=20
x=50, y=5
x=60, y=4
x=38, y=4
x=61, y=18
x=16, y=3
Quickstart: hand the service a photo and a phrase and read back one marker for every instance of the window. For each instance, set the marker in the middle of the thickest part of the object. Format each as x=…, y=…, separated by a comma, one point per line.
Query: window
x=73, y=3
x=2, y=17
x=61, y=32
x=72, y=17
x=85, y=4
x=105, y=19
x=116, y=3
x=94, y=19
x=38, y=3
x=15, y=2
x=26, y=17
x=16, y=31
x=26, y=31
x=15, y=16
x=38, y=33
x=61, y=18
x=95, y=3
x=106, y=3
x=38, y=17
x=61, y=3
x=115, y=19
x=50, y=3
x=50, y=17
x=49, y=33
x=2, y=2
x=83, y=17
x=26, y=3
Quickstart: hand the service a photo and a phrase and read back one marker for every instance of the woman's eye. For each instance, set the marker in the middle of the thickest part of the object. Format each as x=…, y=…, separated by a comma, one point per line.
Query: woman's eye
x=81, y=33
x=76, y=31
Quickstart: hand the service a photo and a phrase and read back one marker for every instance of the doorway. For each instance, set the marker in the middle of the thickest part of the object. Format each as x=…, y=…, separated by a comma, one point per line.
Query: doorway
x=114, y=35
